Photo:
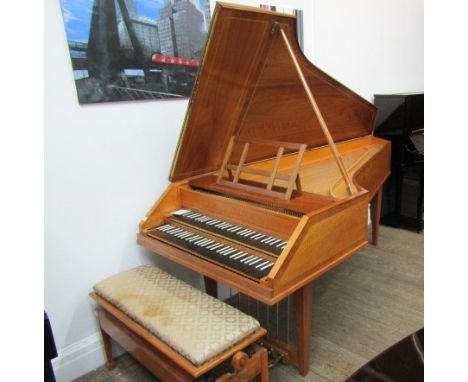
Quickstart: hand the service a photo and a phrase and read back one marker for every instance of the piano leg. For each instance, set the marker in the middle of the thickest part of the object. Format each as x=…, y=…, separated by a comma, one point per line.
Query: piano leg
x=303, y=313
x=375, y=217
x=211, y=287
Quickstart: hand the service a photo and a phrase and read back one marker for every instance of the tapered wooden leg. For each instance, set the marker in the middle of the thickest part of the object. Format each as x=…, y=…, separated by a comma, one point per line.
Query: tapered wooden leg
x=110, y=364
x=264, y=371
x=303, y=313
x=211, y=287
x=375, y=216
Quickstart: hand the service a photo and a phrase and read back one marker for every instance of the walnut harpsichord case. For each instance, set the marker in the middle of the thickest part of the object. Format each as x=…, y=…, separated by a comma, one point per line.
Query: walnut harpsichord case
x=275, y=166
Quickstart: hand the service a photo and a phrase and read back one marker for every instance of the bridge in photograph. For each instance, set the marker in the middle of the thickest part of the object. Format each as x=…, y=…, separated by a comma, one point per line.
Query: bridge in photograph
x=78, y=52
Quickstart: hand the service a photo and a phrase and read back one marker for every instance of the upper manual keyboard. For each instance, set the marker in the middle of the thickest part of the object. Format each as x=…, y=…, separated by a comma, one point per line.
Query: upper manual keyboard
x=249, y=237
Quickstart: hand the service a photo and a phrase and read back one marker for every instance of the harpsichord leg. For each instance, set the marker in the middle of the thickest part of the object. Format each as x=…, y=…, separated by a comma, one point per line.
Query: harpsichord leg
x=303, y=313
x=376, y=209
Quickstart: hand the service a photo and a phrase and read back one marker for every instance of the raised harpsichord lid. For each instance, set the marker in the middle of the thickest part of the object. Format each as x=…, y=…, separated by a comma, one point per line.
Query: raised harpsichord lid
x=247, y=86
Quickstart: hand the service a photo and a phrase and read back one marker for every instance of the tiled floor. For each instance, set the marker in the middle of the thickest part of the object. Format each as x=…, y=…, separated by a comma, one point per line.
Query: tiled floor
x=359, y=309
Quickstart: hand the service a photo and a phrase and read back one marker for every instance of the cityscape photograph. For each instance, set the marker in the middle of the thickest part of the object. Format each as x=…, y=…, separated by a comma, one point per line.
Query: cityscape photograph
x=124, y=50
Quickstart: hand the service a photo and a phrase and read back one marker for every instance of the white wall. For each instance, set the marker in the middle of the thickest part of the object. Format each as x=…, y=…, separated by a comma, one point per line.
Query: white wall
x=372, y=46
x=106, y=164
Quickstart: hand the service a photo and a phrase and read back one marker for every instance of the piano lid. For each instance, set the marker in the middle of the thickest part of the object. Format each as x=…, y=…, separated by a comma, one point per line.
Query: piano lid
x=247, y=86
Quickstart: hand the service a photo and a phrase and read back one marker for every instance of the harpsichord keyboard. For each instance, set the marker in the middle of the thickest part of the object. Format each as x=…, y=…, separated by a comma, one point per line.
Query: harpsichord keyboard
x=229, y=256
x=257, y=240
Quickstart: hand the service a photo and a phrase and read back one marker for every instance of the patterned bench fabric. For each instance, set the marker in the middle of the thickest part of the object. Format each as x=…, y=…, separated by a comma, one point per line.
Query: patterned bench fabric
x=193, y=323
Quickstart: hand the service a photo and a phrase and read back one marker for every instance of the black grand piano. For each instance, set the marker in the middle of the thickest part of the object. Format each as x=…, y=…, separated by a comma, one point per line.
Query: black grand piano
x=401, y=120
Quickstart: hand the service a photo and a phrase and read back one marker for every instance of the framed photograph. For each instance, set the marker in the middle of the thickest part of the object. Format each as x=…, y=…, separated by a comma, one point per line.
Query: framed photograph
x=124, y=50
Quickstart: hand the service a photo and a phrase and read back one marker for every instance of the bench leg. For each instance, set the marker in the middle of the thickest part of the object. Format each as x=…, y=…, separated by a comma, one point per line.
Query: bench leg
x=110, y=364
x=263, y=376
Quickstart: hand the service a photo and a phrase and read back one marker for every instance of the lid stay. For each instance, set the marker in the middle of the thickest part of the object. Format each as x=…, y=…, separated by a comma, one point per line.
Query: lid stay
x=350, y=186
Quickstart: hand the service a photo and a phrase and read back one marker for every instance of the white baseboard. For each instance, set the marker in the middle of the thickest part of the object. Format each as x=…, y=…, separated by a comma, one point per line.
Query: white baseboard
x=81, y=357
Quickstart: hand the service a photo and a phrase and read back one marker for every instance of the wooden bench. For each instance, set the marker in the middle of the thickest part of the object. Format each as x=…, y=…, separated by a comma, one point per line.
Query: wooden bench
x=176, y=331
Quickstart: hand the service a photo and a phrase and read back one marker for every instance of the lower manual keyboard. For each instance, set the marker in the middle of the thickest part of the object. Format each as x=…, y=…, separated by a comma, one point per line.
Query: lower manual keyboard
x=239, y=260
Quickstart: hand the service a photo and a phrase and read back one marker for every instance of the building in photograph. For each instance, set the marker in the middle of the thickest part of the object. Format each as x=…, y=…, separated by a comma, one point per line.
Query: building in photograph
x=186, y=23
x=146, y=30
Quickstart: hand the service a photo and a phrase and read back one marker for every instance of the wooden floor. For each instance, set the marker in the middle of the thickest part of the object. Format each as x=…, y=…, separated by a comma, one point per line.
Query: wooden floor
x=360, y=308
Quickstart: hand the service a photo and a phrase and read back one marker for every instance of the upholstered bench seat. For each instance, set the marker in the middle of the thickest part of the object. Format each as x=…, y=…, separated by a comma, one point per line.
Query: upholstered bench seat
x=194, y=324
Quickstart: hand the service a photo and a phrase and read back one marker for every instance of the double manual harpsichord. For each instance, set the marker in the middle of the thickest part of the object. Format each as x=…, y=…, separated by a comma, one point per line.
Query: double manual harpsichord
x=275, y=166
